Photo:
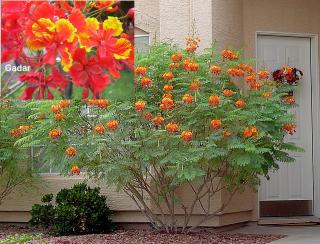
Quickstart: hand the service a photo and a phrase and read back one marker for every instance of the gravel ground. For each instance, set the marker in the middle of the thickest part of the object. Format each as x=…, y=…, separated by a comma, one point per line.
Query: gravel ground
x=147, y=237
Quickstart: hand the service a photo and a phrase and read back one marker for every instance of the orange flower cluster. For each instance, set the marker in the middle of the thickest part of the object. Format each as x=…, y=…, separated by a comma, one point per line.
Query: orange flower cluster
x=226, y=133
x=146, y=82
x=168, y=76
x=187, y=98
x=112, y=124
x=71, y=152
x=240, y=104
x=255, y=85
x=140, y=70
x=17, y=132
x=195, y=85
x=75, y=170
x=55, y=133
x=228, y=93
x=246, y=68
x=263, y=74
x=177, y=57
x=192, y=44
x=289, y=99
x=147, y=116
x=167, y=103
x=290, y=128
x=168, y=88
x=251, y=80
x=99, y=129
x=235, y=72
x=167, y=95
x=214, y=100
x=173, y=66
x=216, y=124
x=59, y=116
x=158, y=120
x=101, y=103
x=215, y=69
x=140, y=105
x=250, y=132
x=266, y=94
x=189, y=65
x=172, y=128
x=64, y=103
x=57, y=109
x=229, y=55
x=186, y=135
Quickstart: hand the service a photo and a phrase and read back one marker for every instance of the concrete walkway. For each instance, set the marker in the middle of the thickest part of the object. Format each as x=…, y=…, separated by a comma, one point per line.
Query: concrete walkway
x=295, y=234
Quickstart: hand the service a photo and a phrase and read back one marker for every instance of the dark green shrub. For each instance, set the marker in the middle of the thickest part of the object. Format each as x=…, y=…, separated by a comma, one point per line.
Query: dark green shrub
x=42, y=215
x=79, y=210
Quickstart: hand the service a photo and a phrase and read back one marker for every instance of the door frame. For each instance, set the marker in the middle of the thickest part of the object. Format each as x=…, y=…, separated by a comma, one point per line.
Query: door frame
x=315, y=103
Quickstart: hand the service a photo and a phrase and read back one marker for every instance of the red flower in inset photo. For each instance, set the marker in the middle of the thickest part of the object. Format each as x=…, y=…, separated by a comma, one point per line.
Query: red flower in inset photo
x=43, y=38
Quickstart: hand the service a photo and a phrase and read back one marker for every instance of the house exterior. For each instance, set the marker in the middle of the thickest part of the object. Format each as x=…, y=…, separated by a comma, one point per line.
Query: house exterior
x=275, y=32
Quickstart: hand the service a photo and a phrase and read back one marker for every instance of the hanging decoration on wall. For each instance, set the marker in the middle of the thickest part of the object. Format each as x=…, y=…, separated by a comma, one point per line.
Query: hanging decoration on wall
x=288, y=75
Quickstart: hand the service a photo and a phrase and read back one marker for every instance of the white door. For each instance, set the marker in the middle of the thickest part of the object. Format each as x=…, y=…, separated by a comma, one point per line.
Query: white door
x=293, y=181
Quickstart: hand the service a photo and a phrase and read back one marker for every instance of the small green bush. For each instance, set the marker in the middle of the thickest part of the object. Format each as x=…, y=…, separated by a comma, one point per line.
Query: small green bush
x=79, y=210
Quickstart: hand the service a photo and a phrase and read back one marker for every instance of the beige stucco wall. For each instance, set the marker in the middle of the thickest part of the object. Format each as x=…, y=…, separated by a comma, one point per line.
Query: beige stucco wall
x=180, y=18
x=147, y=17
x=227, y=18
x=219, y=20
x=293, y=16
x=16, y=207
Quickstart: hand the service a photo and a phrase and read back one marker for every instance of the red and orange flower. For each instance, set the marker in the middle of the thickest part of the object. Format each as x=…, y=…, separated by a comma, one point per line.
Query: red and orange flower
x=140, y=105
x=216, y=124
x=186, y=135
x=55, y=133
x=71, y=151
x=158, y=120
x=172, y=128
x=112, y=124
x=195, y=85
x=99, y=129
x=168, y=76
x=75, y=170
x=263, y=74
x=140, y=70
x=187, y=98
x=146, y=82
x=229, y=55
x=177, y=57
x=228, y=93
x=215, y=69
x=214, y=100
x=251, y=131
x=240, y=103
x=290, y=128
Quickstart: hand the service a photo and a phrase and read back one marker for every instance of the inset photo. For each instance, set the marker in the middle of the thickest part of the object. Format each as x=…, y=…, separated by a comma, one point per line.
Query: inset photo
x=66, y=49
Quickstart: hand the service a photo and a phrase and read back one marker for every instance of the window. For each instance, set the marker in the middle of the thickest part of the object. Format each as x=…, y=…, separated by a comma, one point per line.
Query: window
x=141, y=41
x=38, y=163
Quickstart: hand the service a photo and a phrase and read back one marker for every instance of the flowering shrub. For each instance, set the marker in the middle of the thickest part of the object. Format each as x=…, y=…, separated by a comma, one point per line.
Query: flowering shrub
x=65, y=43
x=206, y=121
